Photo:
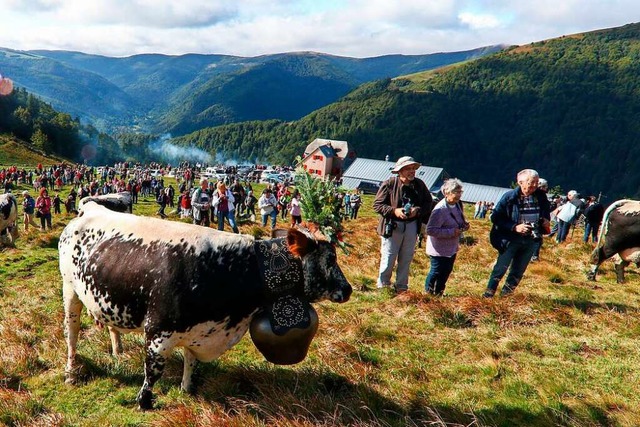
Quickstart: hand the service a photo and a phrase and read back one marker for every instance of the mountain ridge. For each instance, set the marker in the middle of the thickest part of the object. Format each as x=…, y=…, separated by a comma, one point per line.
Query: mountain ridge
x=151, y=90
x=567, y=107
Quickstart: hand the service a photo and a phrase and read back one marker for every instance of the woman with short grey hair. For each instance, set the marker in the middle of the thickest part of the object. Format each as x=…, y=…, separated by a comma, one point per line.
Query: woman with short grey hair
x=446, y=224
x=451, y=185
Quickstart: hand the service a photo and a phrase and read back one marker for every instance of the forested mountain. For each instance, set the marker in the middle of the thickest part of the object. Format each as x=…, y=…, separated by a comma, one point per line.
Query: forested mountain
x=568, y=107
x=24, y=117
x=178, y=94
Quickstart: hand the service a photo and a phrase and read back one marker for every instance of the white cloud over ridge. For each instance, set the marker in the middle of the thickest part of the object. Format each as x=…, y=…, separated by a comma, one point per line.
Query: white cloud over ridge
x=357, y=28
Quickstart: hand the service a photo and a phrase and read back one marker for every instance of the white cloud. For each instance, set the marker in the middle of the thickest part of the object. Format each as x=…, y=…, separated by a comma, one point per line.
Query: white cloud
x=252, y=27
x=479, y=22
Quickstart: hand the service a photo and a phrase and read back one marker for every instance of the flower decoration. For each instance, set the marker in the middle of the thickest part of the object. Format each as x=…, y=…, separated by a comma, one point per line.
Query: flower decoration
x=321, y=205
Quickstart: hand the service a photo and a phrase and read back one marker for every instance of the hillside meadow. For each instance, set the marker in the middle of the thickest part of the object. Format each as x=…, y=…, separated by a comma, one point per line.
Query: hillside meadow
x=561, y=351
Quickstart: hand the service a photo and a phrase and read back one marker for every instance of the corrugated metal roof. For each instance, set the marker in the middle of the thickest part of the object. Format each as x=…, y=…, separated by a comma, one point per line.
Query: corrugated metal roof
x=376, y=171
x=475, y=192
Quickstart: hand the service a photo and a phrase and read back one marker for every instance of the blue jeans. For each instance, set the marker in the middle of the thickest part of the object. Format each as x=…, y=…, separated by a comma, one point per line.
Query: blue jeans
x=230, y=217
x=273, y=215
x=563, y=231
x=517, y=255
x=441, y=268
x=590, y=229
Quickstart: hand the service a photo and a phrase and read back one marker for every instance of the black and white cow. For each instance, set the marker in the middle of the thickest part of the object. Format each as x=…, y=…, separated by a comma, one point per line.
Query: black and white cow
x=117, y=202
x=182, y=285
x=619, y=238
x=8, y=217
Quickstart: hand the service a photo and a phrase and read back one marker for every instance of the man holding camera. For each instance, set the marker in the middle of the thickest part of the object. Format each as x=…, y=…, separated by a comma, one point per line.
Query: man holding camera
x=519, y=220
x=404, y=204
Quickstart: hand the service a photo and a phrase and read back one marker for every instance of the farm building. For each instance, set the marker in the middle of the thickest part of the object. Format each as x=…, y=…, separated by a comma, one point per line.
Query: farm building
x=367, y=175
x=327, y=158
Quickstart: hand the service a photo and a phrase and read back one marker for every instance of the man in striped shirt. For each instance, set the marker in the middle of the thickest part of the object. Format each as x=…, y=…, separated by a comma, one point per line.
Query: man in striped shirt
x=518, y=220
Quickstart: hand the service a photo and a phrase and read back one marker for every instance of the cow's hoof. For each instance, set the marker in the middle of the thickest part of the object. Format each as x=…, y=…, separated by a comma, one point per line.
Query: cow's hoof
x=189, y=389
x=145, y=400
x=71, y=376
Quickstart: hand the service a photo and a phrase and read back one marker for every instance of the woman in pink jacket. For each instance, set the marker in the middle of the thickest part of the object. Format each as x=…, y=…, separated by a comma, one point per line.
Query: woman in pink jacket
x=43, y=208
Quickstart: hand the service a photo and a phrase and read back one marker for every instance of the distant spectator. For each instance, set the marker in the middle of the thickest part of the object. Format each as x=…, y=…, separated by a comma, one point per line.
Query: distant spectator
x=355, y=201
x=478, y=207
x=250, y=205
x=223, y=203
x=28, y=209
x=347, y=205
x=185, y=204
x=201, y=203
x=295, y=210
x=568, y=214
x=162, y=200
x=267, y=204
x=43, y=209
x=593, y=214
x=56, y=204
x=70, y=202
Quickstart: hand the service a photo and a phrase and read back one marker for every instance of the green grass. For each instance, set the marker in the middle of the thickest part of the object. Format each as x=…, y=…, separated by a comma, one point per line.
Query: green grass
x=558, y=352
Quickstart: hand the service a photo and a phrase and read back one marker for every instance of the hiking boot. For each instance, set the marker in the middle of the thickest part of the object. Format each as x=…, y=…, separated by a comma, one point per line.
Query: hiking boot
x=488, y=293
x=506, y=292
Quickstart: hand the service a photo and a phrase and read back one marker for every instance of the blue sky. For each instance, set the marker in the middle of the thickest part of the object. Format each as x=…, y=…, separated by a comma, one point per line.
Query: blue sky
x=356, y=28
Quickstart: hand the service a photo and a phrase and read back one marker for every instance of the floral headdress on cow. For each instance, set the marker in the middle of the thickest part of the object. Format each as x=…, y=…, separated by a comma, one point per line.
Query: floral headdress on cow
x=321, y=205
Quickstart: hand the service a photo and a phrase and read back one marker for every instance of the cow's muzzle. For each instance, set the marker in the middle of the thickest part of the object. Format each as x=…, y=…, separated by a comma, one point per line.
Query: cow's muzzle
x=341, y=294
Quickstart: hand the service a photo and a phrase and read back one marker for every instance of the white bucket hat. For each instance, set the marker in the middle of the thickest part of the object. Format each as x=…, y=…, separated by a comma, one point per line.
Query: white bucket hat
x=403, y=162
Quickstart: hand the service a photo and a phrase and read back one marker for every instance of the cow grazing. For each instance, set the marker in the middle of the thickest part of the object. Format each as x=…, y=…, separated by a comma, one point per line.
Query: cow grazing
x=117, y=202
x=619, y=238
x=182, y=285
x=8, y=217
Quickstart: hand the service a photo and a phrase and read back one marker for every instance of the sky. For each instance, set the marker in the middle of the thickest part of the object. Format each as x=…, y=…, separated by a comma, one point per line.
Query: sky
x=356, y=28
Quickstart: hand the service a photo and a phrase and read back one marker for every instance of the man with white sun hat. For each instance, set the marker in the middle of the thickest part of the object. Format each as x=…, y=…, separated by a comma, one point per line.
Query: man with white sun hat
x=404, y=203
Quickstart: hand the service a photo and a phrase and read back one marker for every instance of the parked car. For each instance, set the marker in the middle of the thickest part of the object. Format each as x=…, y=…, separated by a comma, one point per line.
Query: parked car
x=368, y=187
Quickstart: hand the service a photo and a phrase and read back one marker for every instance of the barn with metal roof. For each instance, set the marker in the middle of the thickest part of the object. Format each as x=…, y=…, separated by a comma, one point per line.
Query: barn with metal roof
x=376, y=171
x=372, y=172
x=475, y=192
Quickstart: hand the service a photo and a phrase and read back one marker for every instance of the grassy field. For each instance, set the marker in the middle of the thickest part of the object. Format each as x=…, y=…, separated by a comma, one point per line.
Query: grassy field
x=561, y=351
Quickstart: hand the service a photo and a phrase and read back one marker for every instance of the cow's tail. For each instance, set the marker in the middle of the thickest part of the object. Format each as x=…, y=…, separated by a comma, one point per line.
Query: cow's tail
x=604, y=226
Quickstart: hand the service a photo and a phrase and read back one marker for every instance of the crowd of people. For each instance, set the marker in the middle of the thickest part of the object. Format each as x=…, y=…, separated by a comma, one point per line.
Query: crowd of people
x=210, y=201
x=520, y=219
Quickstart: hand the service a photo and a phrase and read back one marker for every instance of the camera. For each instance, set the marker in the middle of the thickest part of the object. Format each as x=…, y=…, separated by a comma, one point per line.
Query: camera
x=407, y=209
x=535, y=229
x=388, y=229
